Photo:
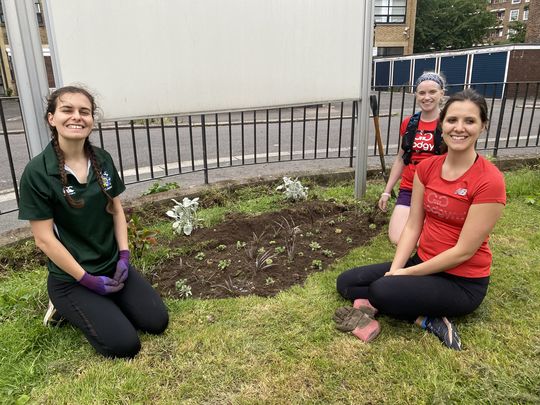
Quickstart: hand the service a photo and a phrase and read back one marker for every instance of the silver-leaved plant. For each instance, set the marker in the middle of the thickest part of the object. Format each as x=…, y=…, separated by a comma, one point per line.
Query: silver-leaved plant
x=293, y=189
x=185, y=215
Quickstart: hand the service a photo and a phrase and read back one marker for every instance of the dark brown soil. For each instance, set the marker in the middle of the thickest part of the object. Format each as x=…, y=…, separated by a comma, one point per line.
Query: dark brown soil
x=220, y=261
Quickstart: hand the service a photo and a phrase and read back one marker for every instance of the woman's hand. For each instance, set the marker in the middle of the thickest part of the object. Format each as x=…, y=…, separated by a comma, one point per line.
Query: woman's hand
x=383, y=201
x=397, y=272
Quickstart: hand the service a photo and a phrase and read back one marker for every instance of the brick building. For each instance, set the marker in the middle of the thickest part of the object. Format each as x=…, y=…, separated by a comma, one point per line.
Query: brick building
x=533, y=23
x=394, y=27
x=508, y=11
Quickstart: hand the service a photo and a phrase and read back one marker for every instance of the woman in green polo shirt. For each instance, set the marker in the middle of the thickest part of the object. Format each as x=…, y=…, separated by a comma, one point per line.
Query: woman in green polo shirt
x=69, y=193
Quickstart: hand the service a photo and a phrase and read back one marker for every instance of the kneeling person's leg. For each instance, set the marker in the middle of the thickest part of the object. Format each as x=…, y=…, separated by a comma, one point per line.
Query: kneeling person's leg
x=98, y=317
x=142, y=304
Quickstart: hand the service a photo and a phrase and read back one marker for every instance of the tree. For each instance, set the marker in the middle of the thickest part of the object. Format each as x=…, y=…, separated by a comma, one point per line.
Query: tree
x=516, y=32
x=451, y=24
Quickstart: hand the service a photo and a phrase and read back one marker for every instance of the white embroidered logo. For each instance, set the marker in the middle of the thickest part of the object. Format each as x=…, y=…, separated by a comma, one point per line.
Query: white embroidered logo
x=69, y=190
x=461, y=191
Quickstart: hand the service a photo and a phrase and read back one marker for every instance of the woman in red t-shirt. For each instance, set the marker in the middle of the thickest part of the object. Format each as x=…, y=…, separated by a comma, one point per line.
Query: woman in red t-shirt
x=457, y=199
x=429, y=93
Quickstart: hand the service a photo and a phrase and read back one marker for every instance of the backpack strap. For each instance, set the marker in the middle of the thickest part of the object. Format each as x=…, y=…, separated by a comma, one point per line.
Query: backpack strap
x=408, y=138
x=410, y=133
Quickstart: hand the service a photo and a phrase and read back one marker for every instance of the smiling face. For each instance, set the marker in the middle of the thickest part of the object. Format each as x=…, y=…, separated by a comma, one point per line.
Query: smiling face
x=462, y=125
x=429, y=95
x=73, y=117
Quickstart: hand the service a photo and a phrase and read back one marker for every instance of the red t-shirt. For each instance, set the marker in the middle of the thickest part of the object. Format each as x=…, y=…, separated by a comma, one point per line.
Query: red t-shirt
x=422, y=149
x=446, y=204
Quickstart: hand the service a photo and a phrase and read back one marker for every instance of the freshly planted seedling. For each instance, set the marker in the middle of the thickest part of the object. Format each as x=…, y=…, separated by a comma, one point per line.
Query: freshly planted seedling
x=328, y=253
x=279, y=249
x=184, y=290
x=185, y=215
x=200, y=256
x=314, y=245
x=221, y=248
x=316, y=264
x=293, y=189
x=223, y=264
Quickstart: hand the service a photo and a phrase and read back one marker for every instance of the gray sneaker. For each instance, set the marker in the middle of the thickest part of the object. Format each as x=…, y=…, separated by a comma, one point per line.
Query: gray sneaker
x=445, y=331
x=52, y=317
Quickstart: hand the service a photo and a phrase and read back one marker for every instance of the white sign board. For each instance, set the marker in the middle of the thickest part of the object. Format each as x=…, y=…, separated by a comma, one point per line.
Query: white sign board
x=158, y=57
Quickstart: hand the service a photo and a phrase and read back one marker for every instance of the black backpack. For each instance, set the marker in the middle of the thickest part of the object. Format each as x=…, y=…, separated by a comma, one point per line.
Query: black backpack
x=410, y=133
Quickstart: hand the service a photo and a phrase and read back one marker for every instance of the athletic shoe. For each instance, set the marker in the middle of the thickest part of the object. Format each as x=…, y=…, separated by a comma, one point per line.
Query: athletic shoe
x=445, y=331
x=52, y=317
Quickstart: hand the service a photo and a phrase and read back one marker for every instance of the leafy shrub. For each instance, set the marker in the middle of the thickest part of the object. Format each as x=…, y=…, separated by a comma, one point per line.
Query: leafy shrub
x=159, y=188
x=293, y=189
x=185, y=215
x=140, y=238
x=184, y=290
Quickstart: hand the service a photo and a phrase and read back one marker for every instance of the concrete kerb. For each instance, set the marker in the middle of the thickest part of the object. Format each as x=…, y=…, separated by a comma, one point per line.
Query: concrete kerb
x=322, y=176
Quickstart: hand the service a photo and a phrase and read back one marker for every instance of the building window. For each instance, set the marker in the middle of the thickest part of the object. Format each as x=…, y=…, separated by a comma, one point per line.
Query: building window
x=526, y=13
x=499, y=32
x=390, y=51
x=514, y=15
x=390, y=11
x=516, y=1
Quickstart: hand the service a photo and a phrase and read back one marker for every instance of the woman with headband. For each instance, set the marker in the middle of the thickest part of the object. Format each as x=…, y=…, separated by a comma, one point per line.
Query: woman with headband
x=420, y=139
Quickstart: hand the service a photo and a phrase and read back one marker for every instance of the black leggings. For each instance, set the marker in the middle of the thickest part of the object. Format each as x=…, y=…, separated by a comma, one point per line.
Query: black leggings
x=407, y=297
x=110, y=322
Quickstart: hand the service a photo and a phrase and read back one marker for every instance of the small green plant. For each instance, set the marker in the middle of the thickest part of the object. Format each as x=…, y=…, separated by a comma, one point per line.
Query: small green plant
x=221, y=248
x=314, y=245
x=261, y=250
x=272, y=242
x=348, y=239
x=341, y=218
x=316, y=264
x=293, y=189
x=338, y=230
x=240, y=244
x=279, y=249
x=530, y=200
x=331, y=222
x=200, y=256
x=184, y=290
x=291, y=231
x=185, y=215
x=372, y=226
x=223, y=264
x=140, y=238
x=159, y=188
x=264, y=260
x=328, y=253
x=269, y=281
x=309, y=234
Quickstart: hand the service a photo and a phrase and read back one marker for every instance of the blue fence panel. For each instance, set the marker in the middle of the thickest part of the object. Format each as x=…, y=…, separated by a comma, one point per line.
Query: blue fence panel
x=489, y=68
x=454, y=68
x=423, y=65
x=382, y=74
x=402, y=72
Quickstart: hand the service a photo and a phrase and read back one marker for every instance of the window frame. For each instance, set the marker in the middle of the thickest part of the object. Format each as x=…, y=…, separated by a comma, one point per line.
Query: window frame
x=389, y=17
x=516, y=11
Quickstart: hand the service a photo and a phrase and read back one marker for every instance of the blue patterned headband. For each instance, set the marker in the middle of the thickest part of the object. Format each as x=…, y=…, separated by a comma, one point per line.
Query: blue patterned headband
x=434, y=77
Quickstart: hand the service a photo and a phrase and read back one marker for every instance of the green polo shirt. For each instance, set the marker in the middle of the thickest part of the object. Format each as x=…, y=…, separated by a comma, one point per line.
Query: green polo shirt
x=88, y=232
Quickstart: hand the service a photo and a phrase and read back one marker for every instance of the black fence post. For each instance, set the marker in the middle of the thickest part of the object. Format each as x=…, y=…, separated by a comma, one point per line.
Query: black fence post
x=205, y=158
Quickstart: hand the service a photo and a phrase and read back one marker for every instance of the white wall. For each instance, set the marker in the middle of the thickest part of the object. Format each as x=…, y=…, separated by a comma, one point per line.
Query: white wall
x=156, y=57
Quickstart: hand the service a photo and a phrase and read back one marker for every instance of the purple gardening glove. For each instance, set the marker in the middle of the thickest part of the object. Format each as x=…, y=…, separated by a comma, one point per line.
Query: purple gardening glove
x=100, y=284
x=122, y=266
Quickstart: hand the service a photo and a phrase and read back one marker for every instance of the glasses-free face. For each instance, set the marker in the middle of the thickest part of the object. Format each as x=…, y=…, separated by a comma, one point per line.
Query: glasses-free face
x=429, y=95
x=73, y=118
x=462, y=125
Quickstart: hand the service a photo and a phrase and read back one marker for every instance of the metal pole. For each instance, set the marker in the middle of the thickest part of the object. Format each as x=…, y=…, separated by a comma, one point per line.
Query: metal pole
x=360, y=177
x=29, y=67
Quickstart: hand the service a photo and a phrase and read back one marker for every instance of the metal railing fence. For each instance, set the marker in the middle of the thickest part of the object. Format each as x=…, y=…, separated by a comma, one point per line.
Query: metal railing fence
x=160, y=147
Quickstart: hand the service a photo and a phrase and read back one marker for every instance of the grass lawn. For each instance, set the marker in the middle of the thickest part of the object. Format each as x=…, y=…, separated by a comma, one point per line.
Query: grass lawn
x=285, y=349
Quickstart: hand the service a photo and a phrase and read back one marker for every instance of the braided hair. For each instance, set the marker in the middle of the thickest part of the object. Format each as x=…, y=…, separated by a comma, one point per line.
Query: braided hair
x=52, y=102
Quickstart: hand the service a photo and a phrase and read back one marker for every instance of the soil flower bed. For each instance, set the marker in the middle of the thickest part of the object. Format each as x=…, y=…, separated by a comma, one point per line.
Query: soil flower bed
x=266, y=253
